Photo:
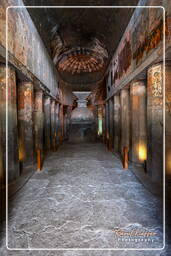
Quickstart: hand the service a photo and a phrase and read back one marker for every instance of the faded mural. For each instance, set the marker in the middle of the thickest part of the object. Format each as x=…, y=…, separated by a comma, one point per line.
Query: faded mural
x=142, y=37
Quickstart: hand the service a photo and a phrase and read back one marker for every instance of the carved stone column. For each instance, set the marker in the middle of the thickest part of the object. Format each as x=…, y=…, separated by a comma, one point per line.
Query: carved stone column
x=125, y=118
x=111, y=124
x=168, y=120
x=53, y=143
x=38, y=119
x=25, y=124
x=57, y=125
x=117, y=125
x=107, y=122
x=2, y=123
x=13, y=154
x=138, y=113
x=61, y=124
x=155, y=122
x=47, y=122
x=103, y=123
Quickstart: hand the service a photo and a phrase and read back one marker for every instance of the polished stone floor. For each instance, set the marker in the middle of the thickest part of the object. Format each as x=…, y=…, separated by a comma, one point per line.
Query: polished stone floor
x=84, y=199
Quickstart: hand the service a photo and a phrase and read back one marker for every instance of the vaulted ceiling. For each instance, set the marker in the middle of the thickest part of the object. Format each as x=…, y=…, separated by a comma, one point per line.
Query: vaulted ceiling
x=81, y=41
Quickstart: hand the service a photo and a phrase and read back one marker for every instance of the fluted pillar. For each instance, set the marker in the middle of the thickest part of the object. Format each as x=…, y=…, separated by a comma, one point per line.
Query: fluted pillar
x=47, y=122
x=2, y=122
x=25, y=124
x=38, y=119
x=57, y=125
x=61, y=124
x=168, y=120
x=155, y=122
x=125, y=118
x=107, y=122
x=117, y=123
x=138, y=113
x=103, y=123
x=52, y=123
x=95, y=111
x=111, y=121
x=13, y=154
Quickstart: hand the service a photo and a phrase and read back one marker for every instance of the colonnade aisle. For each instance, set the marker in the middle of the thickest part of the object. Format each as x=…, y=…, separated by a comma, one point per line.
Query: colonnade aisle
x=84, y=199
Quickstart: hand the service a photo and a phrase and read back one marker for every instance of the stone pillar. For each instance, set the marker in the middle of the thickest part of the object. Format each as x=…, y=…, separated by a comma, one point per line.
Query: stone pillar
x=25, y=124
x=2, y=122
x=117, y=125
x=68, y=116
x=61, y=124
x=38, y=119
x=155, y=122
x=100, y=120
x=103, y=123
x=111, y=130
x=13, y=155
x=53, y=139
x=107, y=122
x=125, y=119
x=47, y=123
x=138, y=113
x=168, y=120
x=57, y=125
x=95, y=112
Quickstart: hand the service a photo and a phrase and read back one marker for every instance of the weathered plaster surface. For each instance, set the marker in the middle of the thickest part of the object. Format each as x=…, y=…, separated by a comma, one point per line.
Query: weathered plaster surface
x=144, y=34
x=25, y=44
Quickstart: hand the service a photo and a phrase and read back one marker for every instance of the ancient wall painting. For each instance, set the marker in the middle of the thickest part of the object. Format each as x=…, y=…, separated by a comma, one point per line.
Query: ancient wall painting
x=157, y=82
x=151, y=41
x=123, y=60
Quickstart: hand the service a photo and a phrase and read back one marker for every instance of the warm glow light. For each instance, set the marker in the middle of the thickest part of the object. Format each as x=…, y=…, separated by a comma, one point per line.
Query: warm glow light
x=168, y=162
x=21, y=151
x=142, y=151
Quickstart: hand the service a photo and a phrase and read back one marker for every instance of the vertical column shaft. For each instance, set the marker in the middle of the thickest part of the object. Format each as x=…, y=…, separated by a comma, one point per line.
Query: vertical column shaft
x=53, y=142
x=13, y=155
x=138, y=122
x=47, y=122
x=155, y=122
x=103, y=123
x=125, y=119
x=117, y=126
x=95, y=112
x=168, y=119
x=61, y=124
x=57, y=124
x=25, y=123
x=2, y=122
x=107, y=122
x=38, y=119
x=111, y=120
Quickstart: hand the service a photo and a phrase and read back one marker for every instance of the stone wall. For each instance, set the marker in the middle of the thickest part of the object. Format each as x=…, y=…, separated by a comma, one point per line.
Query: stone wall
x=137, y=67
x=141, y=44
x=25, y=44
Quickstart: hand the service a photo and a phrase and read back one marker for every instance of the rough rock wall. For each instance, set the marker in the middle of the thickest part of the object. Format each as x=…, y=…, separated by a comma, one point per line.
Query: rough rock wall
x=25, y=44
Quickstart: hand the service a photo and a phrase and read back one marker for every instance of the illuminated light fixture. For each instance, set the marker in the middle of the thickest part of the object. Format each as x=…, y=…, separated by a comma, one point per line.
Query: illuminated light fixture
x=21, y=150
x=168, y=162
x=21, y=154
x=142, y=152
x=100, y=127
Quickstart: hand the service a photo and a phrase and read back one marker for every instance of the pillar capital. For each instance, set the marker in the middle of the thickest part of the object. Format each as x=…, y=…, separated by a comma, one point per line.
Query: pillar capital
x=138, y=87
x=38, y=92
